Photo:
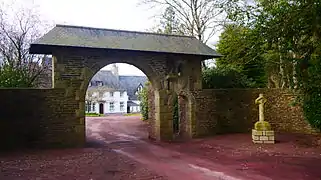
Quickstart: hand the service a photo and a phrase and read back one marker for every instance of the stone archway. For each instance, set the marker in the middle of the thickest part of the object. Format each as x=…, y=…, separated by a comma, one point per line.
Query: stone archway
x=172, y=64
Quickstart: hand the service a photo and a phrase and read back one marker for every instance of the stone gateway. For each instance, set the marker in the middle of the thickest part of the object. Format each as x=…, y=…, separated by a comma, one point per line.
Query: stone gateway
x=171, y=63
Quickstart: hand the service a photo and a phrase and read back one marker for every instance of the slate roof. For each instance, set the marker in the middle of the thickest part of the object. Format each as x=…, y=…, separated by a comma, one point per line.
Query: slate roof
x=88, y=37
x=131, y=83
x=131, y=103
x=108, y=79
x=119, y=83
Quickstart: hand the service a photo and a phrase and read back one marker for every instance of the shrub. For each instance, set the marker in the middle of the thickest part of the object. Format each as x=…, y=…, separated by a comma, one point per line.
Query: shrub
x=225, y=77
x=14, y=77
x=143, y=98
x=311, y=108
x=175, y=114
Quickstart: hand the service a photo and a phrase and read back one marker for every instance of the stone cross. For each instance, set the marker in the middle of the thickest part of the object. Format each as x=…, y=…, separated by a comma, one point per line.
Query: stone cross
x=261, y=100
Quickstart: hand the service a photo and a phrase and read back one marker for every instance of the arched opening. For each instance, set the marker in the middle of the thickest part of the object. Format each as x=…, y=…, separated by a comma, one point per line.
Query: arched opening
x=184, y=118
x=181, y=121
x=176, y=115
x=116, y=92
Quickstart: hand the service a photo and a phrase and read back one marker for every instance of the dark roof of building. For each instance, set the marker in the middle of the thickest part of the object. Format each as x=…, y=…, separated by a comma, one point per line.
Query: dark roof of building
x=88, y=37
x=107, y=78
x=120, y=83
x=131, y=83
x=131, y=103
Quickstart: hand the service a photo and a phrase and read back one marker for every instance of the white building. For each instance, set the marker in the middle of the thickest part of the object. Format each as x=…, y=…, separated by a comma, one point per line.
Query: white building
x=110, y=93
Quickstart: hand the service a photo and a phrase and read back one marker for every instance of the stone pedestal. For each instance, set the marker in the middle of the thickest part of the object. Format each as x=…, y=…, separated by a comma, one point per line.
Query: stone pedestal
x=263, y=136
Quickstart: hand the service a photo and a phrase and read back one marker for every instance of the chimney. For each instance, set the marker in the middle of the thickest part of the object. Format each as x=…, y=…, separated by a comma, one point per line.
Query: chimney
x=114, y=69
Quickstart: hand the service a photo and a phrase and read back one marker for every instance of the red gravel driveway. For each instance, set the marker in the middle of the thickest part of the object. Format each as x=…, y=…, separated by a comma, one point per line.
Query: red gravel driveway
x=118, y=148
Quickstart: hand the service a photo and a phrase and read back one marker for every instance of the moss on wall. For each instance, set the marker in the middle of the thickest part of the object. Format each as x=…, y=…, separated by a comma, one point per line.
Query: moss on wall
x=234, y=111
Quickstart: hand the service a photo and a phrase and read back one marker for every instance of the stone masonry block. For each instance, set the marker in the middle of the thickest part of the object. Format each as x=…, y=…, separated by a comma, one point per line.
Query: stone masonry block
x=69, y=91
x=79, y=113
x=264, y=138
x=79, y=129
x=271, y=138
x=255, y=137
x=82, y=106
x=269, y=133
x=268, y=142
x=78, y=95
x=257, y=142
x=256, y=132
x=82, y=120
x=60, y=67
x=60, y=84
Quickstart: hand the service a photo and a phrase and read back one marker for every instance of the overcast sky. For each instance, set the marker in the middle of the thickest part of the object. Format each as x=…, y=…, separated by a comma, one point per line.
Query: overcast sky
x=112, y=14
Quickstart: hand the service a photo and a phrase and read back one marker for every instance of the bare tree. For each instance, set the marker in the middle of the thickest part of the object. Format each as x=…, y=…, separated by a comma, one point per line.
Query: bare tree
x=199, y=18
x=96, y=93
x=17, y=30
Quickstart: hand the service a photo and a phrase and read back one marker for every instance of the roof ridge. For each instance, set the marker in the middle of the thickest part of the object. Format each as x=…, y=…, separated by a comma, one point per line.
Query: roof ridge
x=120, y=30
x=132, y=75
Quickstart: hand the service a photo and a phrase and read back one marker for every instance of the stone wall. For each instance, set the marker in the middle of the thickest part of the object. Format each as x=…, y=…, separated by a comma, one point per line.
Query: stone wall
x=151, y=113
x=38, y=118
x=233, y=111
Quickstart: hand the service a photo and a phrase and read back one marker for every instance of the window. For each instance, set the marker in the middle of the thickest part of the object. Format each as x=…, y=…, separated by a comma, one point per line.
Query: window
x=94, y=107
x=121, y=94
x=99, y=83
x=122, y=106
x=111, y=94
x=111, y=106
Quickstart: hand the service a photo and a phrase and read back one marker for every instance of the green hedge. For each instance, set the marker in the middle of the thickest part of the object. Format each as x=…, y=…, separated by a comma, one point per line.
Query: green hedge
x=143, y=98
x=93, y=114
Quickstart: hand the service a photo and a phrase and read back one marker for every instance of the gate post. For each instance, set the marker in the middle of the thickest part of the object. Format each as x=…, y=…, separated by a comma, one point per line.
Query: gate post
x=164, y=115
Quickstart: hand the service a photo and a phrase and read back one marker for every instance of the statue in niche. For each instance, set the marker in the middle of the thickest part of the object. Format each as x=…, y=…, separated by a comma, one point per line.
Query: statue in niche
x=175, y=69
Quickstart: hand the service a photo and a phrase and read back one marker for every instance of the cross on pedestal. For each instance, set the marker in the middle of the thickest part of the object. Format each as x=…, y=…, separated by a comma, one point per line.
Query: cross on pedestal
x=261, y=100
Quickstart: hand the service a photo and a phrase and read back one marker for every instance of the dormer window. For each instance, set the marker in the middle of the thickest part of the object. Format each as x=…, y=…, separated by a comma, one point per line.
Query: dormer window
x=99, y=83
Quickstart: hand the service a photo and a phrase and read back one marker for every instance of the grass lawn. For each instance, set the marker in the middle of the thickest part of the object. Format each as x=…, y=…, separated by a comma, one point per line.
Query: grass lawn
x=93, y=115
x=132, y=114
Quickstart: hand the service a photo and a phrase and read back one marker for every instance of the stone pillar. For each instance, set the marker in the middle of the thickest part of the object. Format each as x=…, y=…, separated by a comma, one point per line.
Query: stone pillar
x=151, y=113
x=163, y=115
x=189, y=80
x=69, y=73
x=184, y=117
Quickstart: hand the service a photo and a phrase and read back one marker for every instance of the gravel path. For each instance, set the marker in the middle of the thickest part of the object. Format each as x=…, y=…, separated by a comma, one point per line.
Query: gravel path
x=118, y=149
x=72, y=164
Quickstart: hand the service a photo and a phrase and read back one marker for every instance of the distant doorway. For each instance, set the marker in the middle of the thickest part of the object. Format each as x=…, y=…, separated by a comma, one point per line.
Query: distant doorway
x=128, y=109
x=101, y=108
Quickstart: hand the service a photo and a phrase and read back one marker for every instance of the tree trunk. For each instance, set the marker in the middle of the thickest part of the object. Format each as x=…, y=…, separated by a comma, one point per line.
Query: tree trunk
x=282, y=70
x=294, y=72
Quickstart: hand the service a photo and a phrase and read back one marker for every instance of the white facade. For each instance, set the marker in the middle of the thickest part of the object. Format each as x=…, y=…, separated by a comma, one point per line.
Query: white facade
x=135, y=109
x=110, y=93
x=111, y=102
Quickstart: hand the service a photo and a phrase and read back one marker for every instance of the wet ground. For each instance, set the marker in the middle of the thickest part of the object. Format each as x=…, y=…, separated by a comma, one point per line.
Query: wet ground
x=118, y=148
